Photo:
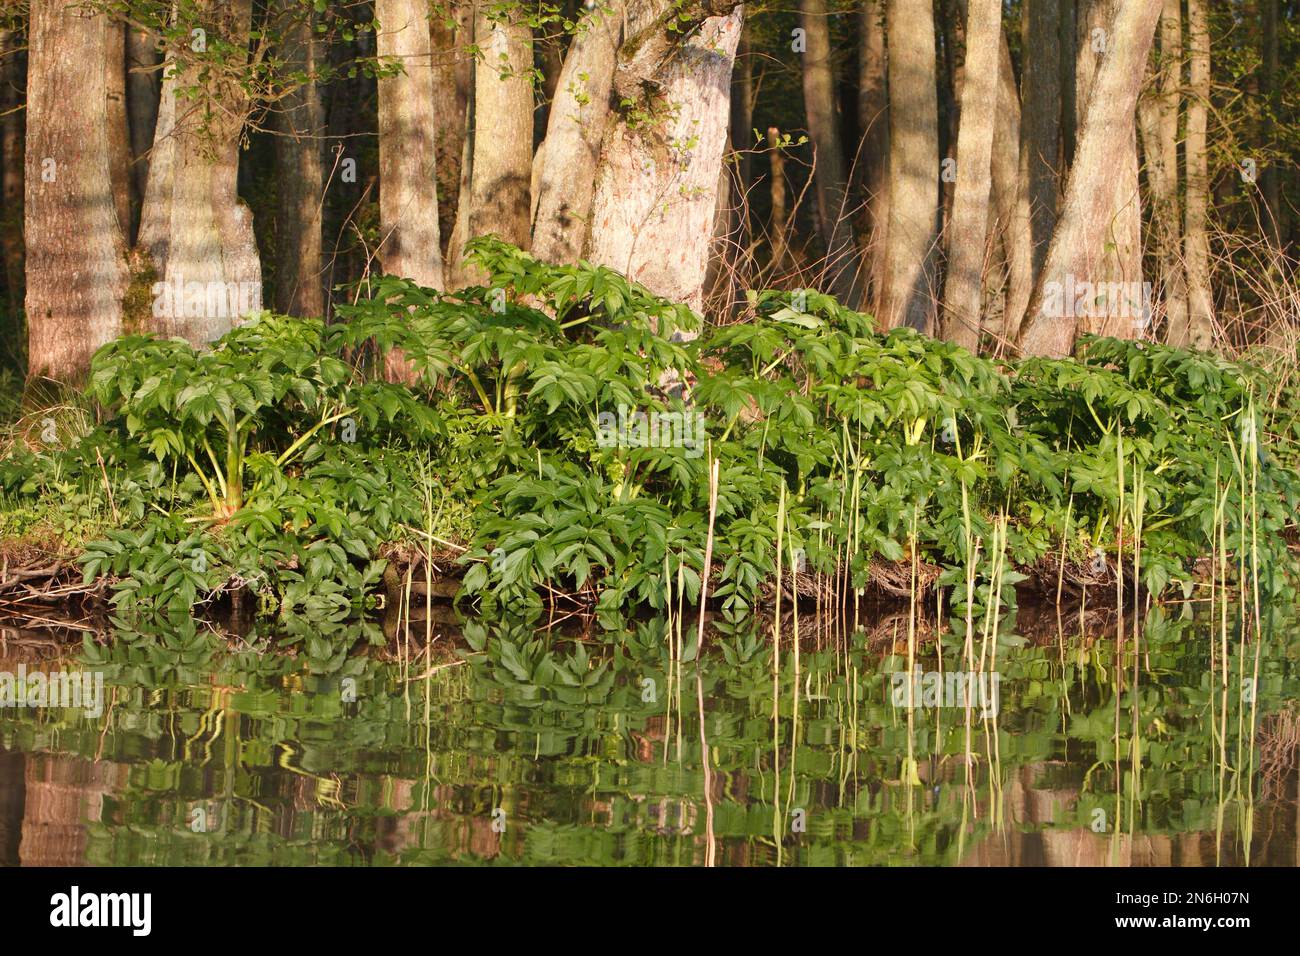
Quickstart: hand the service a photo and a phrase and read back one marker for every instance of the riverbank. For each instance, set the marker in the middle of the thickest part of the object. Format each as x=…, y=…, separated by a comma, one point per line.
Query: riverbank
x=554, y=439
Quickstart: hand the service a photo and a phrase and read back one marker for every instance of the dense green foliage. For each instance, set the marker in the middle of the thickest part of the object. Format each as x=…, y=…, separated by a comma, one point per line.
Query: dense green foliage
x=278, y=459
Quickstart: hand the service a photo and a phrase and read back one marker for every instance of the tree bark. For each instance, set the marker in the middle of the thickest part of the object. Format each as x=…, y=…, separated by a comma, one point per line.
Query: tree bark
x=298, y=288
x=564, y=170
x=1041, y=120
x=1107, y=135
x=910, y=295
x=1158, y=123
x=873, y=154
x=1011, y=199
x=656, y=190
x=76, y=253
x=198, y=234
x=12, y=84
x=142, y=84
x=450, y=31
x=408, y=199
x=839, y=272
x=1196, y=245
x=967, y=249
x=501, y=161
x=119, y=137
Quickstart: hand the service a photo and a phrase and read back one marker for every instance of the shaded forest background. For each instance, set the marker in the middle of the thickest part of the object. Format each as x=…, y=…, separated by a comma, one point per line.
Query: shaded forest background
x=948, y=164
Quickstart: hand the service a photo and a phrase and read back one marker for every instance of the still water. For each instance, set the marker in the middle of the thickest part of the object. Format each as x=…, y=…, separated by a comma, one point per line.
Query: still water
x=516, y=744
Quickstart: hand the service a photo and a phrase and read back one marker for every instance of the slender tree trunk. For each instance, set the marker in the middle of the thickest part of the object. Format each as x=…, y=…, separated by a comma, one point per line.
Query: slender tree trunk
x=501, y=162
x=1107, y=135
x=408, y=200
x=564, y=170
x=119, y=137
x=1011, y=198
x=1158, y=123
x=873, y=154
x=1041, y=120
x=779, y=213
x=1196, y=244
x=298, y=287
x=76, y=253
x=656, y=190
x=840, y=270
x=12, y=84
x=969, y=226
x=142, y=84
x=910, y=295
x=1270, y=180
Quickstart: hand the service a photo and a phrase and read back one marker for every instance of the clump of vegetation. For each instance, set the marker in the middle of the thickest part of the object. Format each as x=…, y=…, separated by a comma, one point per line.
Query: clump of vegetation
x=279, y=461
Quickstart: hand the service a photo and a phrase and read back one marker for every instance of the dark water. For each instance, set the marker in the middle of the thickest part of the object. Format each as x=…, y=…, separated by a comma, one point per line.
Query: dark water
x=564, y=748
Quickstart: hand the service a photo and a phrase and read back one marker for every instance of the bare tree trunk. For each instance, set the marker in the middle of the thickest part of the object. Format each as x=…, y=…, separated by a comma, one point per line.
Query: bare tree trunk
x=1158, y=123
x=450, y=32
x=210, y=244
x=1106, y=137
x=873, y=154
x=501, y=162
x=142, y=85
x=779, y=213
x=119, y=138
x=1011, y=198
x=910, y=296
x=76, y=254
x=564, y=170
x=12, y=83
x=1196, y=245
x=298, y=288
x=969, y=225
x=656, y=190
x=408, y=199
x=840, y=270
x=1270, y=179
x=1041, y=120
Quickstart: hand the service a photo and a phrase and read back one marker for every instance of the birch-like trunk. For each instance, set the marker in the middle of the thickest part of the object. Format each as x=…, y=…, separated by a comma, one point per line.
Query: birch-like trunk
x=564, y=169
x=967, y=249
x=408, y=197
x=656, y=189
x=910, y=296
x=1078, y=250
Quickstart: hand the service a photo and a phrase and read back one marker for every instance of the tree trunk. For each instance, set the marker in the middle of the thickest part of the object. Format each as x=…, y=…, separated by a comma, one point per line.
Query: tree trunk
x=1158, y=123
x=839, y=272
x=76, y=254
x=298, y=288
x=1011, y=198
x=777, y=187
x=910, y=295
x=452, y=75
x=119, y=137
x=12, y=84
x=1196, y=244
x=408, y=199
x=501, y=161
x=873, y=154
x=1106, y=137
x=564, y=170
x=969, y=225
x=142, y=83
x=197, y=232
x=656, y=190
x=1041, y=120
